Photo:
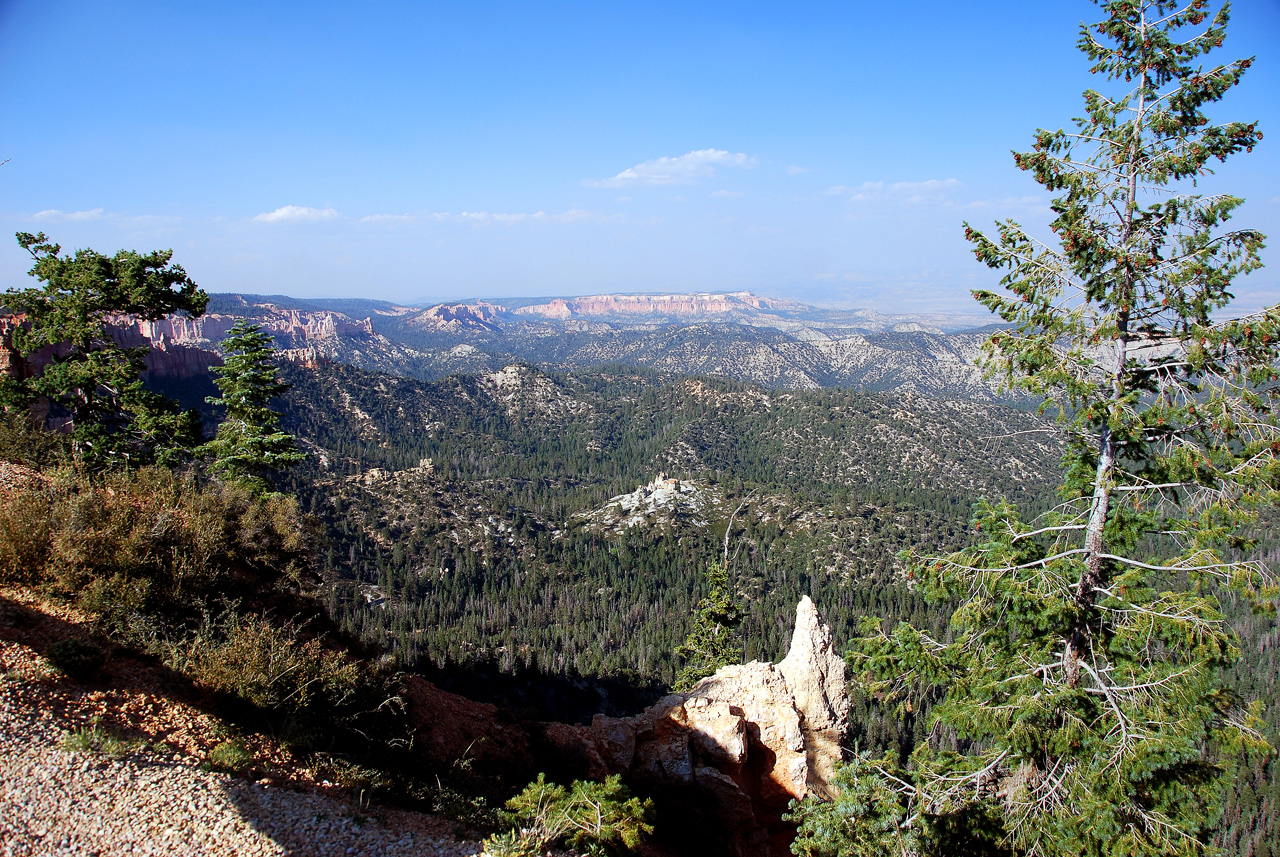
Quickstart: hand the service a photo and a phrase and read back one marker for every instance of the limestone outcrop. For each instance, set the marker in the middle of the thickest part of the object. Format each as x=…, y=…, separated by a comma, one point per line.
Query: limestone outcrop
x=737, y=748
x=182, y=347
x=750, y=738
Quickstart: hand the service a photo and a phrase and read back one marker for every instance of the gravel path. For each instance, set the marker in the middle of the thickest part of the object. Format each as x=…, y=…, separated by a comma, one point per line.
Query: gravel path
x=158, y=801
x=54, y=801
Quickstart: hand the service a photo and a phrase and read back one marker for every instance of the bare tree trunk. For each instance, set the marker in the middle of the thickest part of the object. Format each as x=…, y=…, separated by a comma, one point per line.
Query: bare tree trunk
x=1078, y=642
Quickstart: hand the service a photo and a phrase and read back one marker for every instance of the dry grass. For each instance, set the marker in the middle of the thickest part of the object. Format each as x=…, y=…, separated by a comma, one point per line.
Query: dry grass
x=266, y=664
x=144, y=550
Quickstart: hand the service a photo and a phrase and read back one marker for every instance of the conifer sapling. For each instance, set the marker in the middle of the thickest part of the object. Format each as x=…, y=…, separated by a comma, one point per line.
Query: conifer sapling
x=249, y=443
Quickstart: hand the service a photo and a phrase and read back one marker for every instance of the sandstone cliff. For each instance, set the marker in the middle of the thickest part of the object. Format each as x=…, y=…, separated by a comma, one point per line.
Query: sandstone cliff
x=184, y=347
x=749, y=739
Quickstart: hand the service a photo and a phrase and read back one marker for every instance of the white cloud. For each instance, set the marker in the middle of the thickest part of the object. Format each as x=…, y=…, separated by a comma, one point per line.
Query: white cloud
x=794, y=170
x=929, y=190
x=297, y=213
x=387, y=218
x=728, y=194
x=63, y=216
x=679, y=170
x=479, y=218
x=573, y=215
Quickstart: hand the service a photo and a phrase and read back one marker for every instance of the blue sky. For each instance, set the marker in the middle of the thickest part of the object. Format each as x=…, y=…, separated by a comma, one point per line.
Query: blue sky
x=411, y=151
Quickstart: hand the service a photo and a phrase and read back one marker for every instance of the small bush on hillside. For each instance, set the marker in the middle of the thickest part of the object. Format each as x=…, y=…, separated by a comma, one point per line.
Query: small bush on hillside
x=195, y=574
x=26, y=534
x=144, y=551
x=95, y=739
x=266, y=664
x=308, y=696
x=189, y=541
x=595, y=817
x=75, y=657
x=512, y=843
x=472, y=811
x=23, y=441
x=119, y=605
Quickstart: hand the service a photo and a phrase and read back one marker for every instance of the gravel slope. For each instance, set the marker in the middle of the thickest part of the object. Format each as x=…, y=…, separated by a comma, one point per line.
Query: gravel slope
x=53, y=801
x=158, y=801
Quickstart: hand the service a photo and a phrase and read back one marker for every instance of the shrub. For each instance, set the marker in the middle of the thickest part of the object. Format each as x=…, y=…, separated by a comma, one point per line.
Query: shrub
x=350, y=775
x=144, y=551
x=510, y=844
x=23, y=441
x=76, y=657
x=26, y=534
x=94, y=739
x=265, y=664
x=119, y=605
x=473, y=811
x=190, y=541
x=596, y=817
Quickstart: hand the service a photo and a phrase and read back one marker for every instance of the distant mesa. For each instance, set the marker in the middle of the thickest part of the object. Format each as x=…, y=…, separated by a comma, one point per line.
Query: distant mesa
x=779, y=344
x=455, y=318
x=691, y=305
x=484, y=316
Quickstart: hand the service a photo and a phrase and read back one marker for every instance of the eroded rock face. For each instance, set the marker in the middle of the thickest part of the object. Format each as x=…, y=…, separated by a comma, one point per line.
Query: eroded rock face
x=815, y=673
x=183, y=347
x=751, y=738
x=740, y=745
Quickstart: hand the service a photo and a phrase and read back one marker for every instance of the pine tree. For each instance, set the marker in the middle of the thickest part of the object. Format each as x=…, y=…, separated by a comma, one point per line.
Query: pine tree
x=115, y=420
x=249, y=443
x=713, y=643
x=1082, y=704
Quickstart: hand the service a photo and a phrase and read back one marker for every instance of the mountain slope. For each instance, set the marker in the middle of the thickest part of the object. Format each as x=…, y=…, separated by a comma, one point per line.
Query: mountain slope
x=470, y=517
x=779, y=344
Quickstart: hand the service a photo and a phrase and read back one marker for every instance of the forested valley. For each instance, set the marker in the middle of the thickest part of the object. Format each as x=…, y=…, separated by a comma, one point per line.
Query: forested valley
x=459, y=520
x=468, y=534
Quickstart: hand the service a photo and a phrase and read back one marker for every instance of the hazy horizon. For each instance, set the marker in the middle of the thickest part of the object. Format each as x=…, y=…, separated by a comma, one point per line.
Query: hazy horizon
x=423, y=303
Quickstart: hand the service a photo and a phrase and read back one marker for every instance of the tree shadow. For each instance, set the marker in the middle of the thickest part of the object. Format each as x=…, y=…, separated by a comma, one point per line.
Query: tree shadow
x=534, y=694
x=122, y=670
x=124, y=701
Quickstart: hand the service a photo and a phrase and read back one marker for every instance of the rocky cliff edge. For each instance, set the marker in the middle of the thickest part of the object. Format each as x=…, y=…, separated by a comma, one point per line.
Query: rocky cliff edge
x=749, y=739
